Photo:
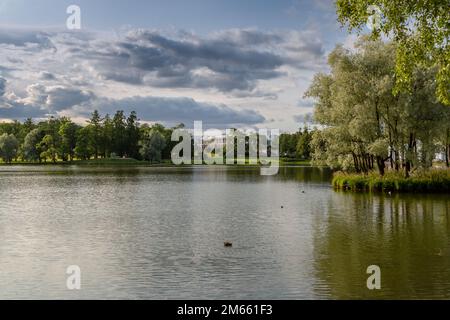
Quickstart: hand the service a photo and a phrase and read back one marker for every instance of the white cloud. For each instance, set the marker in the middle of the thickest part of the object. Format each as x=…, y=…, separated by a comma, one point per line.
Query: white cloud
x=233, y=71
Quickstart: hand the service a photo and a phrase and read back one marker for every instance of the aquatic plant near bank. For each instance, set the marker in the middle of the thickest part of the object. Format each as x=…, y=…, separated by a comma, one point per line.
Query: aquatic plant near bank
x=434, y=180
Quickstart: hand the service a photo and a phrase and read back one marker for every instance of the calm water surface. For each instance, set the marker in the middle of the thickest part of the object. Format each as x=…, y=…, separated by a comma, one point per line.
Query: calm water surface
x=158, y=233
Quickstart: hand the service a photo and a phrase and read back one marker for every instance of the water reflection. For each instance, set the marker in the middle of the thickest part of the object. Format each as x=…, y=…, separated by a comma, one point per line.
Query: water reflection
x=408, y=236
x=157, y=233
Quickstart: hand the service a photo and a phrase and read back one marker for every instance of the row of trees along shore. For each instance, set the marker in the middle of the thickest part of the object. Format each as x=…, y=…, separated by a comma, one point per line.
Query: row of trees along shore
x=60, y=139
x=365, y=126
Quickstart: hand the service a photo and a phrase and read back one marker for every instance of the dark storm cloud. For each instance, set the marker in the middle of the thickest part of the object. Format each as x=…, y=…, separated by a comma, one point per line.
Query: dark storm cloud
x=60, y=98
x=248, y=37
x=233, y=60
x=178, y=110
x=44, y=75
x=228, y=61
x=305, y=118
x=42, y=100
x=14, y=110
x=153, y=59
x=23, y=38
x=2, y=86
x=56, y=98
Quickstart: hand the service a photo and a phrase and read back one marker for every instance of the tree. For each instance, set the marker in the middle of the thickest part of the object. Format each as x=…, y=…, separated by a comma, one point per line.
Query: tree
x=30, y=150
x=119, y=138
x=288, y=144
x=152, y=145
x=50, y=146
x=9, y=147
x=95, y=132
x=68, y=133
x=350, y=101
x=27, y=126
x=420, y=28
x=166, y=133
x=83, y=148
x=424, y=120
x=303, y=147
x=365, y=125
x=49, y=151
x=107, y=137
x=132, y=129
x=444, y=137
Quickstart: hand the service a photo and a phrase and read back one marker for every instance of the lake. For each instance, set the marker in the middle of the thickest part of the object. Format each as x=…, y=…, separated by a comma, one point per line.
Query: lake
x=158, y=233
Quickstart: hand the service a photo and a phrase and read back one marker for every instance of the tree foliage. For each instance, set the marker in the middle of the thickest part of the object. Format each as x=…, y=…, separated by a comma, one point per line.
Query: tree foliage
x=420, y=28
x=296, y=145
x=365, y=125
x=30, y=150
x=152, y=145
x=9, y=146
x=60, y=139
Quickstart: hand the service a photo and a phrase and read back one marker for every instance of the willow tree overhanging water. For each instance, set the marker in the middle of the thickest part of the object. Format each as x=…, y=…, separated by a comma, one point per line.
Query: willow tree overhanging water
x=366, y=126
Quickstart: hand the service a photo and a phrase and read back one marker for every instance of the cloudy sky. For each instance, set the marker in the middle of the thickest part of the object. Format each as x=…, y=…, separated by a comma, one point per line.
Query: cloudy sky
x=229, y=63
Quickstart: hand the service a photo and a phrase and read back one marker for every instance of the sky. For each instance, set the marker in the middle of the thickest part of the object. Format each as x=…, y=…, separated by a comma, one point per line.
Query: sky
x=228, y=63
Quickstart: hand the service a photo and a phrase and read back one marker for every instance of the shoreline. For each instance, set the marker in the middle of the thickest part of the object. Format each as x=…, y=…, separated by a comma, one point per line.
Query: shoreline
x=426, y=181
x=140, y=163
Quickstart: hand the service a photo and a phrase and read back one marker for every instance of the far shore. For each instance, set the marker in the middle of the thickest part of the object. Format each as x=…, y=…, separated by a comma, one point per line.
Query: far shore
x=134, y=162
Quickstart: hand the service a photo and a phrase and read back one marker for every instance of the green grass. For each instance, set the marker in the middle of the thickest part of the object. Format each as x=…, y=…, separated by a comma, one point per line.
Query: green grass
x=424, y=181
x=108, y=161
x=288, y=161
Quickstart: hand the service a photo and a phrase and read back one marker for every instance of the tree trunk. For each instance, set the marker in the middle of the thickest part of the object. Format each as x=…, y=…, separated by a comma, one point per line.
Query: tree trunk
x=355, y=163
x=391, y=160
x=411, y=149
x=447, y=148
x=447, y=155
x=407, y=168
x=381, y=165
x=397, y=163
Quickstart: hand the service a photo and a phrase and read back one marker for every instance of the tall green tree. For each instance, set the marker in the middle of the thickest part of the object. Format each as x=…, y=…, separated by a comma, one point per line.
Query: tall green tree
x=107, y=137
x=421, y=29
x=48, y=147
x=365, y=125
x=83, y=148
x=349, y=103
x=288, y=144
x=9, y=147
x=68, y=133
x=119, y=134
x=30, y=149
x=303, y=146
x=95, y=133
x=27, y=126
x=151, y=146
x=132, y=130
